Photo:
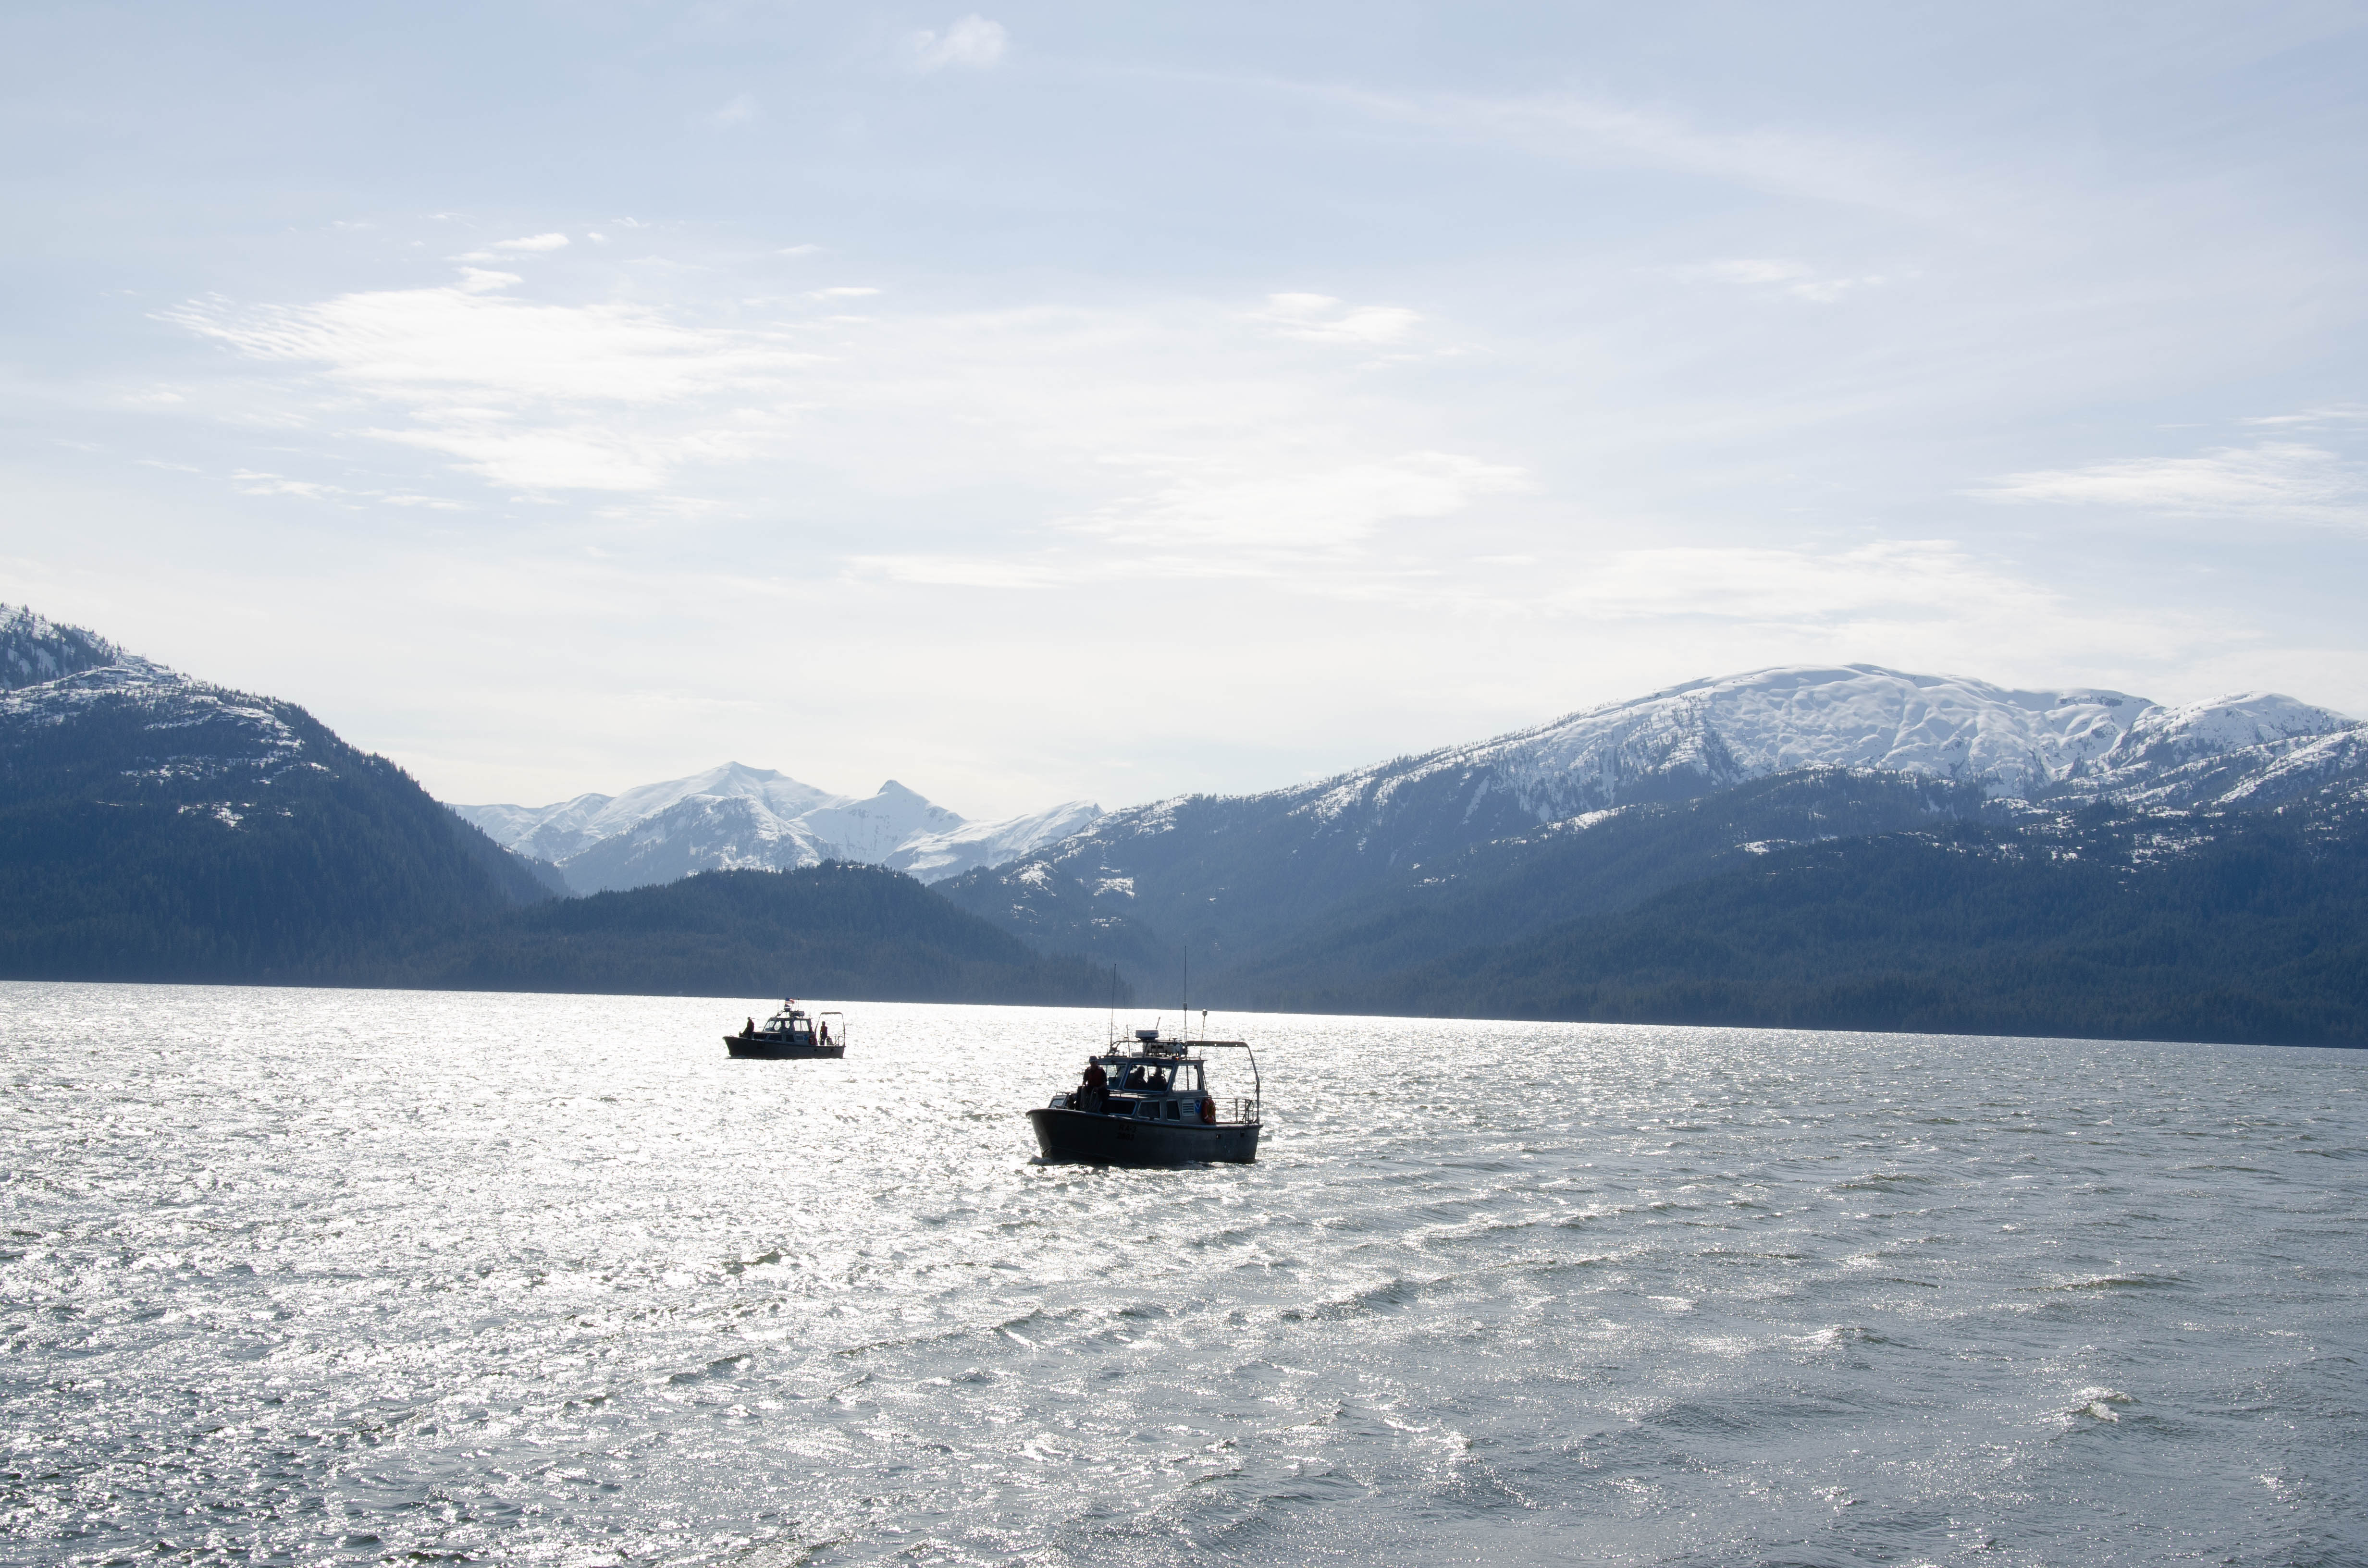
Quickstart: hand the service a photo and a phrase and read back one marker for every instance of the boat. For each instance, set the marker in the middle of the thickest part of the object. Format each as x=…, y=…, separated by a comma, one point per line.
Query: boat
x=1152, y=1107
x=791, y=1032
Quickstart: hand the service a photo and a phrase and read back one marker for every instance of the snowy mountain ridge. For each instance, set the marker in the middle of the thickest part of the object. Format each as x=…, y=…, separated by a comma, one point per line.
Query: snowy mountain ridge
x=35, y=648
x=1708, y=735
x=1231, y=868
x=735, y=817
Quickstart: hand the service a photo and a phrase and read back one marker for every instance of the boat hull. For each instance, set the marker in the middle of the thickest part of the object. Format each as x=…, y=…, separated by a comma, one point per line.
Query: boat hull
x=1089, y=1138
x=757, y=1047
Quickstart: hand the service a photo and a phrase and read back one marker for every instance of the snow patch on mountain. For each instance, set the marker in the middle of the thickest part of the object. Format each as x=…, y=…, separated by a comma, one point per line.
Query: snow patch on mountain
x=201, y=729
x=35, y=650
x=935, y=856
x=558, y=832
x=2170, y=737
x=1715, y=733
x=738, y=817
x=1691, y=740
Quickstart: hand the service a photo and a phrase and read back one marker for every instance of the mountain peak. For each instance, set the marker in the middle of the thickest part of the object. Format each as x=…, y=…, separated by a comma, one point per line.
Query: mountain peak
x=35, y=650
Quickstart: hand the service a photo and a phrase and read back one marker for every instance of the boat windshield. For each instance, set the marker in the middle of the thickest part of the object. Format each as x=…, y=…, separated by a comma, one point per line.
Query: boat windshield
x=1156, y=1077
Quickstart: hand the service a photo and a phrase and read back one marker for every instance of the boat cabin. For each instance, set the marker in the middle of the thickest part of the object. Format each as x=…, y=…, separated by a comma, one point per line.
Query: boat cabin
x=793, y=1025
x=1162, y=1080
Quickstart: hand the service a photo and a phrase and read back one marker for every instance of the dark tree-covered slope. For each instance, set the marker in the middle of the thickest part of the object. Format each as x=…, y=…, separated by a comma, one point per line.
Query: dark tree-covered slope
x=2252, y=929
x=155, y=828
x=1522, y=885
x=837, y=929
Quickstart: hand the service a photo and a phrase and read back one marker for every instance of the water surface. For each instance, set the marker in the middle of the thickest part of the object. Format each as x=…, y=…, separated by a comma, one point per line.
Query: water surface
x=344, y=1276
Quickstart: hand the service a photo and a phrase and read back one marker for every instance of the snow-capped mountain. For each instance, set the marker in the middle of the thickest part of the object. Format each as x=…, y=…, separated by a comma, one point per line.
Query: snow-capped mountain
x=555, y=833
x=1234, y=875
x=935, y=856
x=161, y=828
x=34, y=649
x=738, y=817
x=1708, y=735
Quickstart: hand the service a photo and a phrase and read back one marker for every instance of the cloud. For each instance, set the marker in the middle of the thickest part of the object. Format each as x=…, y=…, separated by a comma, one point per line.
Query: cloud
x=1185, y=429
x=1859, y=173
x=2282, y=479
x=528, y=395
x=1890, y=576
x=973, y=43
x=1782, y=276
x=477, y=280
x=961, y=572
x=1319, y=318
x=533, y=242
x=1274, y=526
x=250, y=482
x=1307, y=509
x=743, y=109
x=2340, y=415
x=851, y=293
x=1932, y=602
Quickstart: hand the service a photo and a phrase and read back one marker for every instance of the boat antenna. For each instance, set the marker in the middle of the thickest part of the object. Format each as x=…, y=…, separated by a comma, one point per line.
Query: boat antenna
x=1187, y=1008
x=1113, y=1035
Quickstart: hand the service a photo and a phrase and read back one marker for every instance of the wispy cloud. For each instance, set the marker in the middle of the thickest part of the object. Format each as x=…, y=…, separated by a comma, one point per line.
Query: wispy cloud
x=533, y=242
x=1793, y=584
x=1787, y=278
x=250, y=482
x=1573, y=127
x=2290, y=480
x=1291, y=513
x=528, y=395
x=741, y=109
x=973, y=42
x=1933, y=599
x=1320, y=318
x=1189, y=427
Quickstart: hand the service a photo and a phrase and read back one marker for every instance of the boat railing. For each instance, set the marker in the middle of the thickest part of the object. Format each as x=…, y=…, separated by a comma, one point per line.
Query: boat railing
x=1237, y=1112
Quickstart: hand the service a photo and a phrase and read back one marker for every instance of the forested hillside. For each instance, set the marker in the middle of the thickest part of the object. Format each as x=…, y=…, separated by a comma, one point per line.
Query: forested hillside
x=154, y=828
x=2257, y=931
x=837, y=929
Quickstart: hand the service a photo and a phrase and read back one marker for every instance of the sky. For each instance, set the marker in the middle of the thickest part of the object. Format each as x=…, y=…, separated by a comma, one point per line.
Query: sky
x=1114, y=401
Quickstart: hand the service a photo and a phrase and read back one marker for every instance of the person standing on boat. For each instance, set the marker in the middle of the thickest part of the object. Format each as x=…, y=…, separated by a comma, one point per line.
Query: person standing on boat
x=748, y=1029
x=1096, y=1087
x=822, y=1034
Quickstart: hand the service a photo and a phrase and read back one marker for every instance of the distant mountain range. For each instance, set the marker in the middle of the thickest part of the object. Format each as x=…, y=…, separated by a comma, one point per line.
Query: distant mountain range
x=737, y=818
x=1458, y=881
x=1845, y=847
x=156, y=827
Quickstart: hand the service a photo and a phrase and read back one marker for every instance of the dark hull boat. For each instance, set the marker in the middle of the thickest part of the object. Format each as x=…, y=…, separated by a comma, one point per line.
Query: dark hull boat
x=1150, y=1105
x=790, y=1035
x=1101, y=1139
x=770, y=1048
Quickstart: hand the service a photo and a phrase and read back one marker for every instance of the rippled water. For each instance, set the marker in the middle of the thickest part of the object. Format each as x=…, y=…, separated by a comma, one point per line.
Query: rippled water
x=316, y=1276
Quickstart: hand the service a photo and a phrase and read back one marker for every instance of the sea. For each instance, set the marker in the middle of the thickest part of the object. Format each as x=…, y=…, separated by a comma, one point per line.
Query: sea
x=347, y=1277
